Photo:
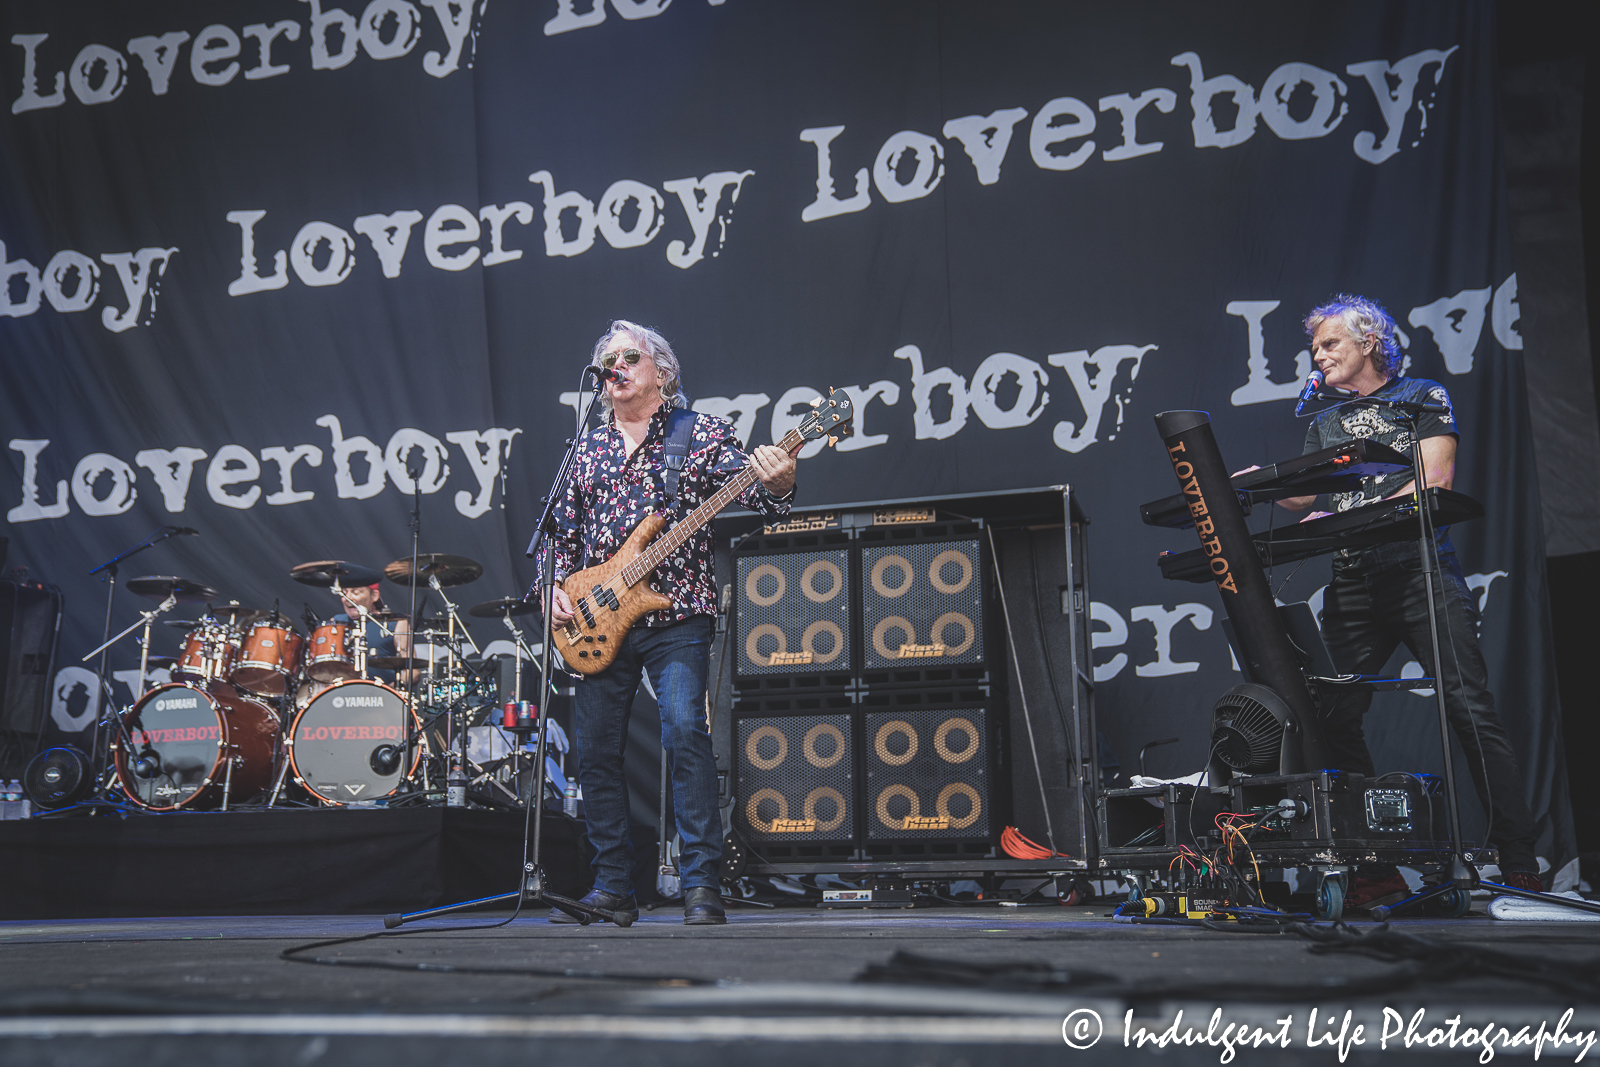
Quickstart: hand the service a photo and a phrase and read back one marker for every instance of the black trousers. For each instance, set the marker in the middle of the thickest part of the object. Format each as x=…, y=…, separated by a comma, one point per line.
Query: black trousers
x=1378, y=601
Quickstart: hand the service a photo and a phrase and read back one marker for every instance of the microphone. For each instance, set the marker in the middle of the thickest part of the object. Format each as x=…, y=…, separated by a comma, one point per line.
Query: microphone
x=1313, y=383
x=385, y=759
x=182, y=531
x=148, y=765
x=609, y=374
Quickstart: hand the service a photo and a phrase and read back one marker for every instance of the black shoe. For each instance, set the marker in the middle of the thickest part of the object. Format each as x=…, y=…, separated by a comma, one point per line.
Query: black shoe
x=703, y=907
x=599, y=898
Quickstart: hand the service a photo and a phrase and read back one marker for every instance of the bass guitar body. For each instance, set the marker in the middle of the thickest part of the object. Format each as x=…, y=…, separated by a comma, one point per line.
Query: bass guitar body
x=606, y=605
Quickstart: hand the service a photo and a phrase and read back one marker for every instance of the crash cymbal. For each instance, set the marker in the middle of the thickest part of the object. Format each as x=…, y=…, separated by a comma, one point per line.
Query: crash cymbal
x=509, y=605
x=397, y=663
x=157, y=586
x=450, y=570
x=181, y=624
x=323, y=572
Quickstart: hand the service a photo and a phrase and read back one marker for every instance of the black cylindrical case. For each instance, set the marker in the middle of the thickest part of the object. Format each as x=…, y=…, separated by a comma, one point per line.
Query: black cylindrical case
x=1230, y=552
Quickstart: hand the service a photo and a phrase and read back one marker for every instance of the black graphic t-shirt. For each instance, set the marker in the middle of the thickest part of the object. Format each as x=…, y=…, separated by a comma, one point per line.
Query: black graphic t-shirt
x=1356, y=420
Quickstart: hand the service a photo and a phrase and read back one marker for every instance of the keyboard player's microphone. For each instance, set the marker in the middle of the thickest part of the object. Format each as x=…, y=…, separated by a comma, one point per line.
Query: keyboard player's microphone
x=1313, y=383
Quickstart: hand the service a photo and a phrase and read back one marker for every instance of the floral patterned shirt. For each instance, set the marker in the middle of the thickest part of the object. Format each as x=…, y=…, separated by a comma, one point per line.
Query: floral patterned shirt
x=609, y=492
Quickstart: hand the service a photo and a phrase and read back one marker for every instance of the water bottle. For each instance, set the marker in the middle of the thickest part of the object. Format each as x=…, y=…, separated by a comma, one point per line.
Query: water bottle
x=569, y=800
x=456, y=786
x=24, y=803
x=11, y=799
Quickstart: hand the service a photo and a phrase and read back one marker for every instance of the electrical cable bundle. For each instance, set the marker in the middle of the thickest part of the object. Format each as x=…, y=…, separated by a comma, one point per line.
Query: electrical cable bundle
x=1019, y=847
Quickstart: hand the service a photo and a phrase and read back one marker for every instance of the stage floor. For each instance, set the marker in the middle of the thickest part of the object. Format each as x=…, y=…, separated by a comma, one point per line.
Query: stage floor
x=772, y=987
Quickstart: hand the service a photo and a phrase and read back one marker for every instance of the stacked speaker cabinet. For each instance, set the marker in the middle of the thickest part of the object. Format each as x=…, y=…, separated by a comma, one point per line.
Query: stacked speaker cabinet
x=924, y=595
x=884, y=656
x=795, y=628
x=933, y=784
x=797, y=779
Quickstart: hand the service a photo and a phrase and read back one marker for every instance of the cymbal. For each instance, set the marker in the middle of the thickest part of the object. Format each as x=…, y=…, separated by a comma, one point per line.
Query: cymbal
x=157, y=586
x=181, y=624
x=156, y=663
x=398, y=663
x=450, y=570
x=236, y=613
x=388, y=616
x=494, y=609
x=322, y=573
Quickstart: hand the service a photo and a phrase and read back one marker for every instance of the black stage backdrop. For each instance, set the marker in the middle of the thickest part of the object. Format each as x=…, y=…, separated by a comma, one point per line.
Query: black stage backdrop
x=253, y=265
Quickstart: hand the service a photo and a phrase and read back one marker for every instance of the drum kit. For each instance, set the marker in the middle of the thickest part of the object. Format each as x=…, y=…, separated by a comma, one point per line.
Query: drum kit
x=261, y=710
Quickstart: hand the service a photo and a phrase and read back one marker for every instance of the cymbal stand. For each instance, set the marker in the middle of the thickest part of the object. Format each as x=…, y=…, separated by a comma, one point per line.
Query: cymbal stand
x=532, y=890
x=455, y=740
x=146, y=620
x=103, y=695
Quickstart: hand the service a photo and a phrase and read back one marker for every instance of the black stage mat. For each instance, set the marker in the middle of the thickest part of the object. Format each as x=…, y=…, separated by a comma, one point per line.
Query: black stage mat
x=283, y=862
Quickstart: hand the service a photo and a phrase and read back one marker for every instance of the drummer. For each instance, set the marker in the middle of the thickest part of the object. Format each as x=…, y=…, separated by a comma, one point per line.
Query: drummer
x=368, y=598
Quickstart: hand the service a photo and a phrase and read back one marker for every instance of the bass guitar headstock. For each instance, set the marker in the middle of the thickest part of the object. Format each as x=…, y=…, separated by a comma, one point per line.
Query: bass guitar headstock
x=830, y=417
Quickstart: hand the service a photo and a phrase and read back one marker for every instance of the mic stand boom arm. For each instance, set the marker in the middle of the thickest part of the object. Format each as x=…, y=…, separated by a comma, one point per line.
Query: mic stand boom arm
x=532, y=874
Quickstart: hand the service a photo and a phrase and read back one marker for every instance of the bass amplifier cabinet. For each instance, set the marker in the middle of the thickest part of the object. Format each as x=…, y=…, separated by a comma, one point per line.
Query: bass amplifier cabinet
x=932, y=781
x=924, y=591
x=796, y=777
x=794, y=628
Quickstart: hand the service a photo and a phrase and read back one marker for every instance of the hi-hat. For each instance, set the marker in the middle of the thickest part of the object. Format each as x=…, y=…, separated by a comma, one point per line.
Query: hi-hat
x=236, y=613
x=398, y=663
x=494, y=609
x=450, y=570
x=158, y=586
x=324, y=572
x=180, y=624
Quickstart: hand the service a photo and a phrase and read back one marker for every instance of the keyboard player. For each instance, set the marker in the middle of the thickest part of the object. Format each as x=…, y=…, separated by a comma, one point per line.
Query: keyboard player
x=1377, y=599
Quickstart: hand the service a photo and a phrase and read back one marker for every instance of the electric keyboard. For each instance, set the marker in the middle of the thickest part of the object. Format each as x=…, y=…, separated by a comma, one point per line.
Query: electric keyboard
x=1362, y=527
x=1332, y=470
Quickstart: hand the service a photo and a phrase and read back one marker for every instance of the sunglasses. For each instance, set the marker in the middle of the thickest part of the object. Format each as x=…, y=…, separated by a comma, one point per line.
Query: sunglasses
x=632, y=356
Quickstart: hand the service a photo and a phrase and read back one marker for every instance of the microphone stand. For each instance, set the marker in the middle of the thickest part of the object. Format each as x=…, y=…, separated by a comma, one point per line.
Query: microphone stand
x=1463, y=876
x=533, y=889
x=103, y=696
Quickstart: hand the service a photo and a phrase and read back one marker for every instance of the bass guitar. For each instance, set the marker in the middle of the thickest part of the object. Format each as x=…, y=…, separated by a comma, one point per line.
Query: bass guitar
x=610, y=597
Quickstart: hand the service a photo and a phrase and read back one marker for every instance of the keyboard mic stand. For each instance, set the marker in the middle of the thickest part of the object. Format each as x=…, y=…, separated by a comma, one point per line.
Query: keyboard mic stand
x=1463, y=875
x=532, y=875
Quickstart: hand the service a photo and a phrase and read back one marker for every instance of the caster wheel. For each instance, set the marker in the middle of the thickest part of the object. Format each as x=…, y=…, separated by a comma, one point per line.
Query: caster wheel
x=1451, y=905
x=1330, y=900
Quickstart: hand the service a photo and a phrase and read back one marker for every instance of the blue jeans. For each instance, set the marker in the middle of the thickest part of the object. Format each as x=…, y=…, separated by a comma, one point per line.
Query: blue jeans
x=676, y=658
x=1378, y=601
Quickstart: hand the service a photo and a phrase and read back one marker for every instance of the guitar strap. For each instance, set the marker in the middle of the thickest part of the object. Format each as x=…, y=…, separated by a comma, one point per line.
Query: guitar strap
x=680, y=430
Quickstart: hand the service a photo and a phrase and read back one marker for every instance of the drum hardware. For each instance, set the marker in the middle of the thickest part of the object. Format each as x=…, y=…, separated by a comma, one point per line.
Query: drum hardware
x=170, y=595
x=105, y=703
x=440, y=570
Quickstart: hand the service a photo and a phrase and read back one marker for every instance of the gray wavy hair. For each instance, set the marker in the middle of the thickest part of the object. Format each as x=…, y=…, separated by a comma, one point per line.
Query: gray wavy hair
x=1362, y=317
x=659, y=351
